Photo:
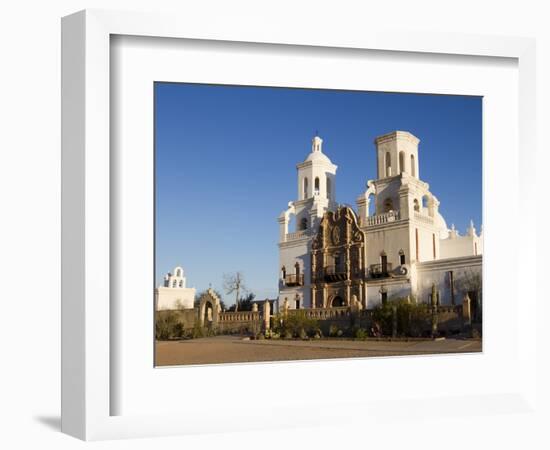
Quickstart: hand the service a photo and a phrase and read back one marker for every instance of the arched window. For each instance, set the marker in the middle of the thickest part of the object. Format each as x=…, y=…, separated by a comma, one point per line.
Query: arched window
x=401, y=162
x=316, y=185
x=283, y=272
x=329, y=188
x=416, y=205
x=181, y=283
x=388, y=164
x=425, y=201
x=413, y=166
x=174, y=283
x=297, y=269
x=401, y=257
x=303, y=224
x=388, y=205
x=178, y=273
x=305, y=188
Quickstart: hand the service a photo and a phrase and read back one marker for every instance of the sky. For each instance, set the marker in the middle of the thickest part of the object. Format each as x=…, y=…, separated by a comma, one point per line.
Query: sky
x=225, y=166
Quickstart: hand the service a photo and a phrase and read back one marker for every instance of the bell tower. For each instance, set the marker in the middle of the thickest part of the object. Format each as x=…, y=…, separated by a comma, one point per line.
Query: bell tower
x=316, y=195
x=397, y=153
x=316, y=175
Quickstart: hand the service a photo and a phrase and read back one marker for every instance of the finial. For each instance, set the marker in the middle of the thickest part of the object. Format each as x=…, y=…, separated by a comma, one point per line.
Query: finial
x=316, y=144
x=471, y=230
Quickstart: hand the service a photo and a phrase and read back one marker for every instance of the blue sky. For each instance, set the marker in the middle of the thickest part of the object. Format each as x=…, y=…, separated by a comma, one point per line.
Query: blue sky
x=226, y=166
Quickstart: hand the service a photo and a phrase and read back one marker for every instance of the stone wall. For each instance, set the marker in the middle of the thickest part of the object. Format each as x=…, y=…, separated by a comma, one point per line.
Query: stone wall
x=241, y=321
x=449, y=319
x=327, y=317
x=187, y=317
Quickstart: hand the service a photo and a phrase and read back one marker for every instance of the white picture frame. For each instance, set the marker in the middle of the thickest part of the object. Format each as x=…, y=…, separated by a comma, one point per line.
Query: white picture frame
x=88, y=387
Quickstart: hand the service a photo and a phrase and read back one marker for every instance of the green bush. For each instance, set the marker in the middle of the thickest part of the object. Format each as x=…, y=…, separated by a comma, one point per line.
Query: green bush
x=197, y=332
x=361, y=333
x=382, y=314
x=412, y=318
x=167, y=326
x=295, y=324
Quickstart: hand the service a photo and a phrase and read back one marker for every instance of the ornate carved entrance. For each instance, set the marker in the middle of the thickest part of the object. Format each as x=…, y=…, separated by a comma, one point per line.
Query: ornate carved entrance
x=338, y=266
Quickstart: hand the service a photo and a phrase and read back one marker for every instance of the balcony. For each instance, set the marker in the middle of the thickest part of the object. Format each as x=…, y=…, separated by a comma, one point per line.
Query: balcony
x=380, y=270
x=334, y=274
x=296, y=235
x=381, y=219
x=294, y=280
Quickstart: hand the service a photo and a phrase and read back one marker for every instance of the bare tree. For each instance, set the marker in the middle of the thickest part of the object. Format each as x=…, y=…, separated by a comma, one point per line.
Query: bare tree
x=471, y=282
x=234, y=282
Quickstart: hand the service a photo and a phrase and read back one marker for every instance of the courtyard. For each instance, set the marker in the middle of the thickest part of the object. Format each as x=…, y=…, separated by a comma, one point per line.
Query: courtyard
x=235, y=349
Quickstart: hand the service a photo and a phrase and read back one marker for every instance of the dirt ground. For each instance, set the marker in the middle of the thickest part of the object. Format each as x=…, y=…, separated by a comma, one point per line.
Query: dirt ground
x=230, y=349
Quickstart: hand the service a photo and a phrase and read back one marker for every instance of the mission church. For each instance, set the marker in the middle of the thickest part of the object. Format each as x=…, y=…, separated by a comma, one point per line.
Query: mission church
x=335, y=255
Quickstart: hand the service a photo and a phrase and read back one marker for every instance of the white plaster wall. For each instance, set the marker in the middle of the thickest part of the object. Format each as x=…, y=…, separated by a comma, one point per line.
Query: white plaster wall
x=172, y=298
x=425, y=242
x=290, y=253
x=437, y=273
x=390, y=240
x=394, y=290
x=454, y=247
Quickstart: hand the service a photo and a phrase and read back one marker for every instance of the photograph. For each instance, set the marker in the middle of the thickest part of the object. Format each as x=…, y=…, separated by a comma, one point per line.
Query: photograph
x=298, y=224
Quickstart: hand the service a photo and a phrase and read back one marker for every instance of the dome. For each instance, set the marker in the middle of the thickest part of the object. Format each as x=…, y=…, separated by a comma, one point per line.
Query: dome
x=318, y=156
x=441, y=226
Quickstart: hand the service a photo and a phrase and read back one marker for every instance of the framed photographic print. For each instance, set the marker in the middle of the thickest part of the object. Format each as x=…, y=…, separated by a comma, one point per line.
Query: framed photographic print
x=385, y=277
x=289, y=214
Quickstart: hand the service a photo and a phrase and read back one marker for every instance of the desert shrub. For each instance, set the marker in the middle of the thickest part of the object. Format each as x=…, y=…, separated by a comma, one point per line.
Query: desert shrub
x=295, y=324
x=412, y=318
x=332, y=330
x=197, y=332
x=382, y=315
x=361, y=333
x=167, y=326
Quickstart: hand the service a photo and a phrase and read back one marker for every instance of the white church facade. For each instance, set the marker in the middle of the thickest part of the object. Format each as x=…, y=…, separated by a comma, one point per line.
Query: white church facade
x=174, y=293
x=403, y=249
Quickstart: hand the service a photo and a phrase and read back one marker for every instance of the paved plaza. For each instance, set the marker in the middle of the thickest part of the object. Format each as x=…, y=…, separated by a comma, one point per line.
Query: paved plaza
x=231, y=349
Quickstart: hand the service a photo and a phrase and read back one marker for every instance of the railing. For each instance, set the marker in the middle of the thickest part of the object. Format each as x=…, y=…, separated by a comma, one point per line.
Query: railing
x=334, y=273
x=380, y=219
x=423, y=218
x=239, y=316
x=296, y=235
x=294, y=280
x=380, y=270
x=323, y=313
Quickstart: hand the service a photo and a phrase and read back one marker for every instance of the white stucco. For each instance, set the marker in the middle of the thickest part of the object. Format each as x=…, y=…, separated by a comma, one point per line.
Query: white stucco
x=173, y=293
x=316, y=193
x=406, y=232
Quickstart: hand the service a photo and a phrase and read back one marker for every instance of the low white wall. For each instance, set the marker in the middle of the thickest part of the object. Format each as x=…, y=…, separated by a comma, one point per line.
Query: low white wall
x=174, y=298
